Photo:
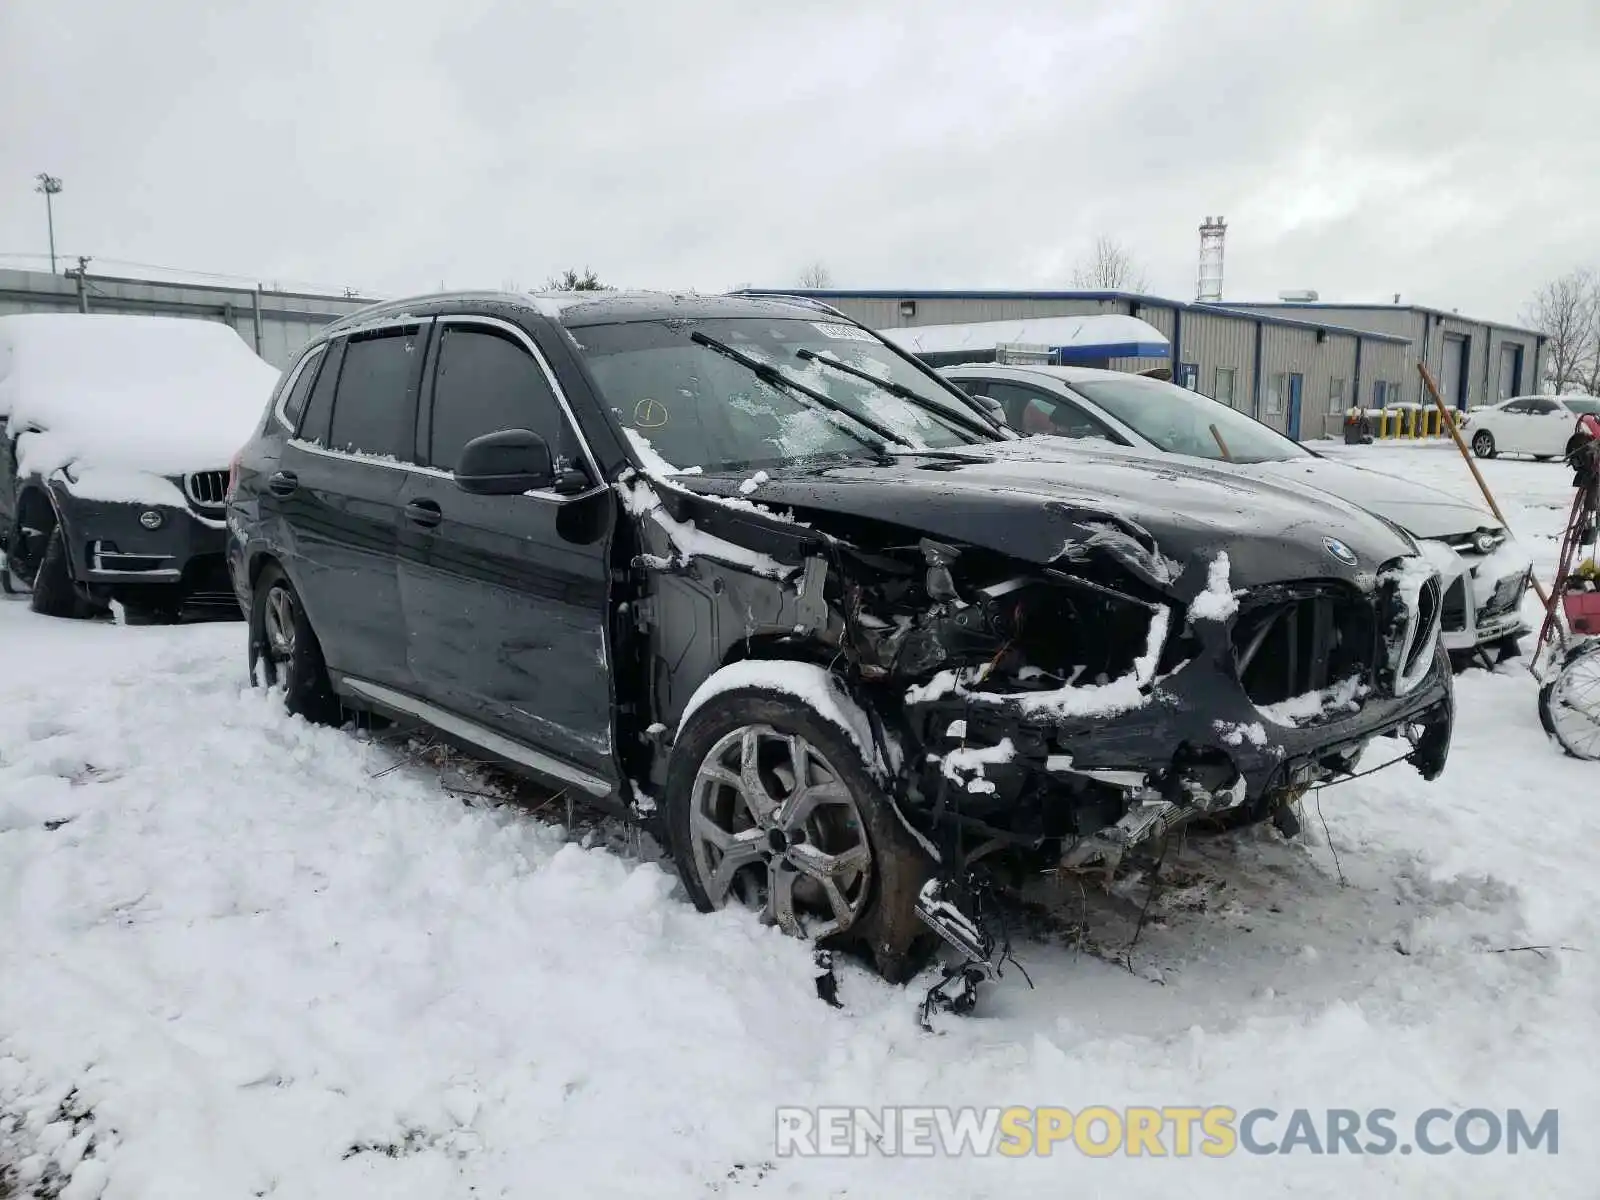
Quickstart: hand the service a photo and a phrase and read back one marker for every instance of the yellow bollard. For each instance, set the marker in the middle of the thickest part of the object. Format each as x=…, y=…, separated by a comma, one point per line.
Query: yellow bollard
x=1391, y=422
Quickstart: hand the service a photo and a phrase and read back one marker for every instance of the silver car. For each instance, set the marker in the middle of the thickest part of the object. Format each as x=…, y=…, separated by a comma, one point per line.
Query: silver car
x=1484, y=570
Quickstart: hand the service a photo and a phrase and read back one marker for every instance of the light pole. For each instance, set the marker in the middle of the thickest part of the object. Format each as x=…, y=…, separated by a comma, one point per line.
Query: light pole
x=50, y=185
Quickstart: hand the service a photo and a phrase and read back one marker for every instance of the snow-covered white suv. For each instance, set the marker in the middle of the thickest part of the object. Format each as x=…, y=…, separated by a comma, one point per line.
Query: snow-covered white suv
x=1485, y=571
x=115, y=437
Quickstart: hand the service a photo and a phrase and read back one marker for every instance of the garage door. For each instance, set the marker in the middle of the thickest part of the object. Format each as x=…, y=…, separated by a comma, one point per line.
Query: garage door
x=1510, y=371
x=1453, y=378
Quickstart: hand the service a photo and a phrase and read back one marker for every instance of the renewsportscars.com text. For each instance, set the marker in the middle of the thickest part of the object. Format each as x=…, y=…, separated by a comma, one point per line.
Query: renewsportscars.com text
x=1217, y=1131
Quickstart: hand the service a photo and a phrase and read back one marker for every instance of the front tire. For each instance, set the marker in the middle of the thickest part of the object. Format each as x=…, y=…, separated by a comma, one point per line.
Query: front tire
x=1483, y=444
x=285, y=653
x=54, y=592
x=770, y=804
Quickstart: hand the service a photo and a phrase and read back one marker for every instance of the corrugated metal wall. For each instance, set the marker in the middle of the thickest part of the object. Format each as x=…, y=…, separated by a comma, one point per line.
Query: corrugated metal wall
x=1215, y=342
x=288, y=319
x=1399, y=321
x=1389, y=361
x=1429, y=333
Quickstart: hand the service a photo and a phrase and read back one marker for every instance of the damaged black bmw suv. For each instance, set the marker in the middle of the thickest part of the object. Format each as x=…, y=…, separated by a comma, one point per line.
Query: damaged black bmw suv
x=740, y=569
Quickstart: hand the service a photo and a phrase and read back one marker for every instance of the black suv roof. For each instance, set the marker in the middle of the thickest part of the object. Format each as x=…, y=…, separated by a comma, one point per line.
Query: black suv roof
x=589, y=308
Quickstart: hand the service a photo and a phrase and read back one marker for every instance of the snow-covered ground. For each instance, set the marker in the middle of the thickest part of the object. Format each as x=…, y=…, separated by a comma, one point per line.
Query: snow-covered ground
x=240, y=957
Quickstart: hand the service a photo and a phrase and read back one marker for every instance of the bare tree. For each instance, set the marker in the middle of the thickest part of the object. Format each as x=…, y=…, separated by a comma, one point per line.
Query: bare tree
x=816, y=275
x=1567, y=312
x=572, y=281
x=1590, y=376
x=1110, y=268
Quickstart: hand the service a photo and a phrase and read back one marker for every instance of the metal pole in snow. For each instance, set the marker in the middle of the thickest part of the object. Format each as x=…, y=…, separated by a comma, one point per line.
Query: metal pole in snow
x=255, y=315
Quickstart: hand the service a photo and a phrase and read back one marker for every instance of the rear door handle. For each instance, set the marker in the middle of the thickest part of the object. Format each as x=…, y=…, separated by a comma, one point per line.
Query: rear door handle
x=423, y=512
x=282, y=483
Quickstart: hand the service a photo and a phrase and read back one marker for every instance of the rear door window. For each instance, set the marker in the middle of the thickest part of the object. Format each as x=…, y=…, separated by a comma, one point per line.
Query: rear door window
x=375, y=411
x=487, y=381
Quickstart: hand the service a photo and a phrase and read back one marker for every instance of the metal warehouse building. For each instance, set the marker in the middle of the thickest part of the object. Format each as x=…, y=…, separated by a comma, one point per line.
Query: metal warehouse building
x=1473, y=362
x=274, y=324
x=1298, y=373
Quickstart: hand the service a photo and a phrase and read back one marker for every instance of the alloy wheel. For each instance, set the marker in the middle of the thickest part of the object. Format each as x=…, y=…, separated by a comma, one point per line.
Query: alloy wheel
x=278, y=621
x=773, y=824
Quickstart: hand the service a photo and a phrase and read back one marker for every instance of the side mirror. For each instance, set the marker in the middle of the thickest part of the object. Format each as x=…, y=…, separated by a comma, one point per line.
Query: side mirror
x=506, y=463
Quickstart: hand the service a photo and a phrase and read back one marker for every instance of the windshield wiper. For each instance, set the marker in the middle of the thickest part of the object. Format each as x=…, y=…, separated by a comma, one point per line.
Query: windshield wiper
x=896, y=389
x=771, y=375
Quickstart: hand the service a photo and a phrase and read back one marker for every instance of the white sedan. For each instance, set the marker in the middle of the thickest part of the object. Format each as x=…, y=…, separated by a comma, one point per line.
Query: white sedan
x=1536, y=425
x=1484, y=570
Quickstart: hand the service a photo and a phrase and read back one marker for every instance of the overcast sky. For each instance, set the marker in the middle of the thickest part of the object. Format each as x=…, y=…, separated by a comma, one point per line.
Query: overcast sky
x=1447, y=151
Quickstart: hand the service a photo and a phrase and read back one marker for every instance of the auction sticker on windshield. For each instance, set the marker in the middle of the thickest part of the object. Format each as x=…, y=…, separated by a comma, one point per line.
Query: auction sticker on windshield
x=848, y=333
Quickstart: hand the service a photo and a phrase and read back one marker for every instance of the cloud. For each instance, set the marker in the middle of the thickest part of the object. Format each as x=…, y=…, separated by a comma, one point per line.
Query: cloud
x=1439, y=150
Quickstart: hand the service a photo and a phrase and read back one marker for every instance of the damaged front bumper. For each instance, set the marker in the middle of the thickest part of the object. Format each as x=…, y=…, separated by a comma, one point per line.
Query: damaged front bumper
x=1200, y=740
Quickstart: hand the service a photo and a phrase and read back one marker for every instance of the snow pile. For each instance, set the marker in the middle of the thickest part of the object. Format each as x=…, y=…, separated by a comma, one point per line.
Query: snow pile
x=1236, y=733
x=1218, y=602
x=751, y=484
x=807, y=683
x=1343, y=697
x=154, y=394
x=1507, y=559
x=641, y=501
x=966, y=764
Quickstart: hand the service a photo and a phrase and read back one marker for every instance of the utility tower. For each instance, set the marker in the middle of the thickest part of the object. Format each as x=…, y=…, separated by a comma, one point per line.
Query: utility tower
x=1208, y=287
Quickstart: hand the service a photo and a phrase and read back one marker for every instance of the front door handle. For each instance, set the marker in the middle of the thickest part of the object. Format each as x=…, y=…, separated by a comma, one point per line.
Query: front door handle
x=282, y=483
x=423, y=512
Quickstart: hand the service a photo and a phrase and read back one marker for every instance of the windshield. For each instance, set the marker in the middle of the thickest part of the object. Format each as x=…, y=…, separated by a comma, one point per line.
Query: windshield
x=699, y=408
x=1179, y=421
x=1585, y=406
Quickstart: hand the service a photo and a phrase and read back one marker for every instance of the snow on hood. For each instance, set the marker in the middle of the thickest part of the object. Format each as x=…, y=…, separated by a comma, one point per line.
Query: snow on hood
x=154, y=394
x=1422, y=511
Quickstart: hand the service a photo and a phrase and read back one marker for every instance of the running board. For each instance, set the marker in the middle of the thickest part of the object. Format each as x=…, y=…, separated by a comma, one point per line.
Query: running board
x=479, y=735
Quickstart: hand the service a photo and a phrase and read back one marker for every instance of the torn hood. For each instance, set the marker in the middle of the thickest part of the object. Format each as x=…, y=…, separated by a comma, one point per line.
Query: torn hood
x=1160, y=516
x=1423, y=512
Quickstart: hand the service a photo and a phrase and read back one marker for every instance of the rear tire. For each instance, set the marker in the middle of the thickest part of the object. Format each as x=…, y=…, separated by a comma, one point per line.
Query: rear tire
x=285, y=653
x=54, y=592
x=848, y=832
x=1483, y=444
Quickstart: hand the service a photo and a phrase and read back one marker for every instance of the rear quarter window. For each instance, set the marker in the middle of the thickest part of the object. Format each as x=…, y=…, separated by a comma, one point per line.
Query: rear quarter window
x=293, y=401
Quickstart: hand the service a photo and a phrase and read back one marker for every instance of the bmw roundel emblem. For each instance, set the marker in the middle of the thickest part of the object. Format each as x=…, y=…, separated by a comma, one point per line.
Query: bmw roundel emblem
x=1339, y=550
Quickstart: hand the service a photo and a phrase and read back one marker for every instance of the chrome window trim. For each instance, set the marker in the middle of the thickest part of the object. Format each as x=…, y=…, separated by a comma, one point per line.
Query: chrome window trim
x=481, y=735
x=434, y=473
x=311, y=355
